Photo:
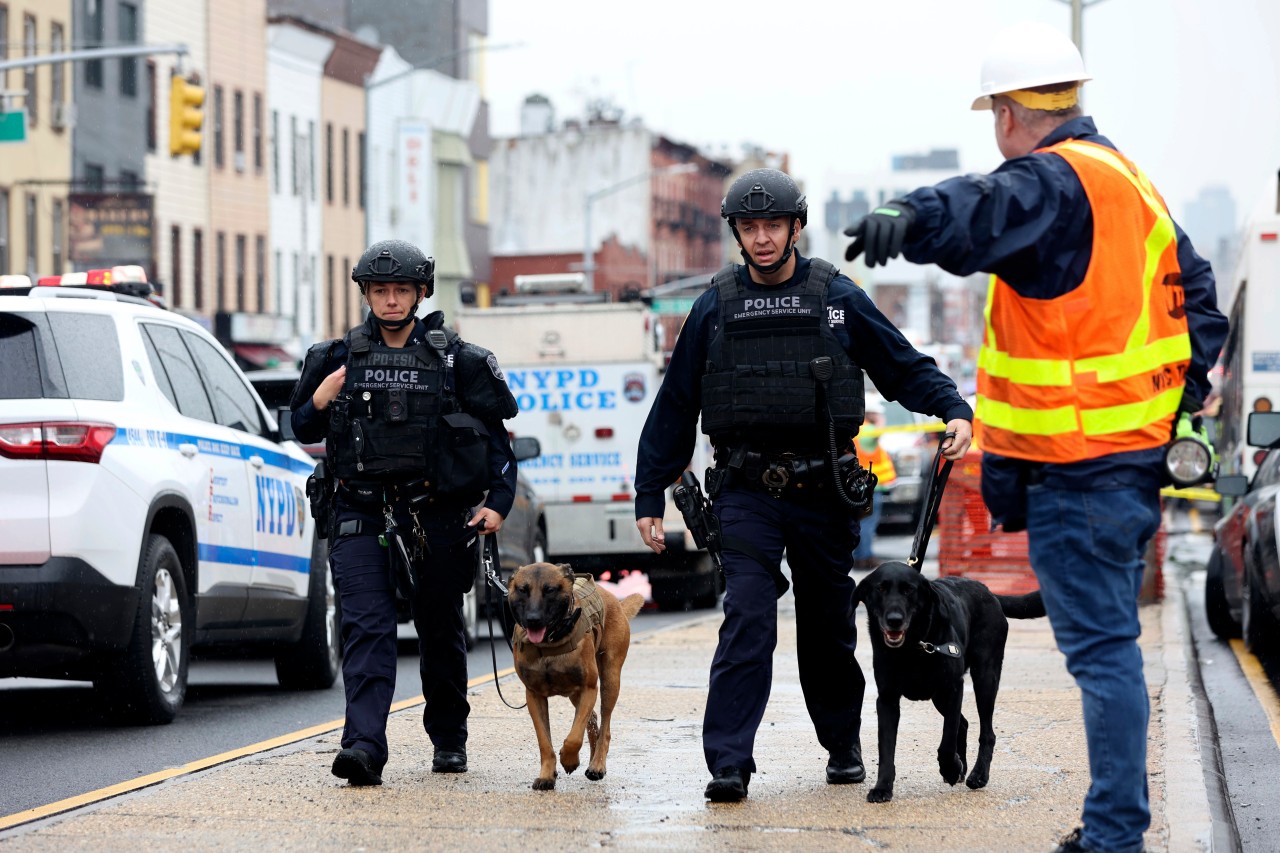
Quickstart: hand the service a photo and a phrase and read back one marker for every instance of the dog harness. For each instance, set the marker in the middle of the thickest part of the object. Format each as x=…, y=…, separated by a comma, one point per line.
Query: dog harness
x=587, y=615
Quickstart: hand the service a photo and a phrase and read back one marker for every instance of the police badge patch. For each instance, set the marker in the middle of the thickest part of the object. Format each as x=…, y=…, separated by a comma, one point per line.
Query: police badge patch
x=633, y=387
x=492, y=361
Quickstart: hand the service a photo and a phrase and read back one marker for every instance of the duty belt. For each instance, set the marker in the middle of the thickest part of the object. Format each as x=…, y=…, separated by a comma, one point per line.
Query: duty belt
x=774, y=472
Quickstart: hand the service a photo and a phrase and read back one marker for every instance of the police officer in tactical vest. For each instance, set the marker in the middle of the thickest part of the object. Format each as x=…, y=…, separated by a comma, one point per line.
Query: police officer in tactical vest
x=412, y=419
x=772, y=357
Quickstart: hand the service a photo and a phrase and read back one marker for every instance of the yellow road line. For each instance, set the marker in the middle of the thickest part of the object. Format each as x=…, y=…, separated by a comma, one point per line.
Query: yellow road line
x=87, y=799
x=1261, y=685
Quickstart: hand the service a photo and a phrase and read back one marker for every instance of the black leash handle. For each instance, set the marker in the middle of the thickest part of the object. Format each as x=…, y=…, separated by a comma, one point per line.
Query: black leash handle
x=493, y=581
x=932, y=501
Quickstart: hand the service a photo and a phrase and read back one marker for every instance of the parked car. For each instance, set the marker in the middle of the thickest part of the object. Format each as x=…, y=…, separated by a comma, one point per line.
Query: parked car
x=523, y=538
x=912, y=452
x=149, y=504
x=1242, y=576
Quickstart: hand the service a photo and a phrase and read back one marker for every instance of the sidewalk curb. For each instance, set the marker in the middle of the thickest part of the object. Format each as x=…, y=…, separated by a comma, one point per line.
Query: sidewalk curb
x=1187, y=800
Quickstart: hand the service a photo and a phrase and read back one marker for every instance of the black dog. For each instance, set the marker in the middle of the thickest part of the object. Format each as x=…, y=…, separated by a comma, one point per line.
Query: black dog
x=924, y=635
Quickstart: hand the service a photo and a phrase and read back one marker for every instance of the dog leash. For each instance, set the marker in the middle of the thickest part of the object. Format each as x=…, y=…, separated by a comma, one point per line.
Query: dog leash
x=932, y=501
x=494, y=581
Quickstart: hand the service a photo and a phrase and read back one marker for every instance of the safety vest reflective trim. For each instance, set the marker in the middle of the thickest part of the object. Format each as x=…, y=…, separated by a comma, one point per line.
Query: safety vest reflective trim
x=1130, y=417
x=1000, y=415
x=1153, y=356
x=1025, y=371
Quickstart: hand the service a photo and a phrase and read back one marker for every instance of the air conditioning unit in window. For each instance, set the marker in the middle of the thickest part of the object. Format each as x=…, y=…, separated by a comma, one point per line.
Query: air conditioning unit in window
x=238, y=160
x=62, y=115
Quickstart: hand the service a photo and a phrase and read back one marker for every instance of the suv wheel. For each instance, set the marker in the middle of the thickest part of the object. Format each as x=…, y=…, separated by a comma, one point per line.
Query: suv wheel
x=1216, y=608
x=149, y=682
x=313, y=663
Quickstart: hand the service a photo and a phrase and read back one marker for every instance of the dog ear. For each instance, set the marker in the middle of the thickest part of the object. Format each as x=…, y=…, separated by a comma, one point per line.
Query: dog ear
x=566, y=569
x=859, y=592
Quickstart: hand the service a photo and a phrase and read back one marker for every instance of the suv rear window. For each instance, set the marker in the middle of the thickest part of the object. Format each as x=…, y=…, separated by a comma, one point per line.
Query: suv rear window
x=59, y=355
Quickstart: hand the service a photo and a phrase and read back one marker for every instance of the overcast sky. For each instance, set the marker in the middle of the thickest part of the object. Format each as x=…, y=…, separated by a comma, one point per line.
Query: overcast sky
x=1190, y=89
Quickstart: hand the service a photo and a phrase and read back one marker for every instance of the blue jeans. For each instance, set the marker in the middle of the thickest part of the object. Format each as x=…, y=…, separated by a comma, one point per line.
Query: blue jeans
x=867, y=531
x=1086, y=550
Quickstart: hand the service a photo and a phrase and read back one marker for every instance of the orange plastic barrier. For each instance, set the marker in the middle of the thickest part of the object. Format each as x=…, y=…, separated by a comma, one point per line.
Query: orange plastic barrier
x=968, y=548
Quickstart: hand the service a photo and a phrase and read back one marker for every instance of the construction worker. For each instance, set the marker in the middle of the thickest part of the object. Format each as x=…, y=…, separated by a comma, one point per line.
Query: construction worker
x=872, y=456
x=1101, y=328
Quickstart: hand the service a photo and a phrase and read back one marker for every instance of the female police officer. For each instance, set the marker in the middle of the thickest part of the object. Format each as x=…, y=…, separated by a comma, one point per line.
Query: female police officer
x=413, y=417
x=772, y=356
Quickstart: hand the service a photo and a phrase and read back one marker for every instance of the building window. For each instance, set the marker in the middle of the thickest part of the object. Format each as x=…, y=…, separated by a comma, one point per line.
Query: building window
x=328, y=162
x=93, y=38
x=58, y=238
x=237, y=129
x=94, y=177
x=220, y=271
x=4, y=224
x=4, y=52
x=130, y=181
x=293, y=152
x=29, y=74
x=275, y=151
x=311, y=158
x=360, y=165
x=260, y=267
x=277, y=283
x=346, y=295
x=217, y=127
x=242, y=251
x=257, y=133
x=58, y=74
x=332, y=319
x=128, y=35
x=32, y=235
x=151, y=106
x=175, y=263
x=197, y=265
x=346, y=167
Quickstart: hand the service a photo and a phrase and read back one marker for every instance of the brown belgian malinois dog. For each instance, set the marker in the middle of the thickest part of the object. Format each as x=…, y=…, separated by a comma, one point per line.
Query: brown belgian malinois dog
x=571, y=639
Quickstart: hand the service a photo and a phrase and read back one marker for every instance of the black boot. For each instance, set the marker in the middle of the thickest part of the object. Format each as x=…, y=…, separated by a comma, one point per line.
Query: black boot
x=357, y=767
x=449, y=761
x=729, y=785
x=845, y=766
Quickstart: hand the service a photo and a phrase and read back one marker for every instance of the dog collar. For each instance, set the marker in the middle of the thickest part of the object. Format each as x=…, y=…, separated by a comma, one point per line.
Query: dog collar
x=565, y=627
x=948, y=649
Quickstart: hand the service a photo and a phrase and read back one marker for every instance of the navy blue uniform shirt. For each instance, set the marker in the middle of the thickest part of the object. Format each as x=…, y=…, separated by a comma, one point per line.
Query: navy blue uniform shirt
x=897, y=369
x=1030, y=222
x=312, y=426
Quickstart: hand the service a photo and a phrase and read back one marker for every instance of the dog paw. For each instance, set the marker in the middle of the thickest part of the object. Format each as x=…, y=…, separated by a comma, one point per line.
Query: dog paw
x=977, y=779
x=595, y=775
x=879, y=795
x=952, y=771
x=541, y=784
x=569, y=765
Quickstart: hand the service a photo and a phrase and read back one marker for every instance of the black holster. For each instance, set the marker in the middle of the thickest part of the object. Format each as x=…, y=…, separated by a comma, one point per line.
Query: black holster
x=320, y=496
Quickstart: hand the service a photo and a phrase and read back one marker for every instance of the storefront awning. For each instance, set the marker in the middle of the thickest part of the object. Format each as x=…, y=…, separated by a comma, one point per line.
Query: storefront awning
x=264, y=355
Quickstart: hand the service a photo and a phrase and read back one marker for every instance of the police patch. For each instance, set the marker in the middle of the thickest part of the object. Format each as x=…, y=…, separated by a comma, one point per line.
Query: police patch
x=492, y=361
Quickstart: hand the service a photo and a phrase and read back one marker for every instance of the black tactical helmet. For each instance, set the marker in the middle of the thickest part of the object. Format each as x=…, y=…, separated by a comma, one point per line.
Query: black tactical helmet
x=763, y=193
x=395, y=260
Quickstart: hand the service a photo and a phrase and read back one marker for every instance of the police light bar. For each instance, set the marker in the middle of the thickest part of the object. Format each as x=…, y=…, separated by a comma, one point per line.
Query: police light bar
x=15, y=280
x=130, y=279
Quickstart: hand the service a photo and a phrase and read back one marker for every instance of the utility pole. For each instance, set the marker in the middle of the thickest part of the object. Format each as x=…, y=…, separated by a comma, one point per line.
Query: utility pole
x=1077, y=20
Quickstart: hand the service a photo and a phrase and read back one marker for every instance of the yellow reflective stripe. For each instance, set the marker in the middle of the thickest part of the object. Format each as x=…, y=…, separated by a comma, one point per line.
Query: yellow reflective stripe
x=986, y=311
x=1000, y=415
x=1109, y=158
x=1025, y=371
x=1133, y=362
x=1129, y=417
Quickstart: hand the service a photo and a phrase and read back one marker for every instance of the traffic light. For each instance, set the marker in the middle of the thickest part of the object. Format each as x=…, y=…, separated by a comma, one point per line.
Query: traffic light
x=185, y=116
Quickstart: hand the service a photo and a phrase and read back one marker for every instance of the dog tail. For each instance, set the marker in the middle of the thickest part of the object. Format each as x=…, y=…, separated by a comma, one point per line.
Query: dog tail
x=1029, y=606
x=631, y=605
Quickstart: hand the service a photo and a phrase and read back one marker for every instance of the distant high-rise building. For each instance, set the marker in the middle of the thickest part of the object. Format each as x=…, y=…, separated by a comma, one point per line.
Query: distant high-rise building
x=945, y=159
x=1210, y=222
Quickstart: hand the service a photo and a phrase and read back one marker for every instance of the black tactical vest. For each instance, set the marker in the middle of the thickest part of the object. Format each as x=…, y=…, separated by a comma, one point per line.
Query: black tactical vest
x=759, y=388
x=397, y=420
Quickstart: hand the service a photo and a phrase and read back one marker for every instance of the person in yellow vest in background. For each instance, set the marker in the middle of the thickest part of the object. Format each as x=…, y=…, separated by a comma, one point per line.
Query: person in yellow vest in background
x=1101, y=327
x=872, y=455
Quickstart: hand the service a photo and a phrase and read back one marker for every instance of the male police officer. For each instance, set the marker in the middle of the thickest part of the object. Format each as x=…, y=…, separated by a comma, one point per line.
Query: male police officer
x=1101, y=329
x=772, y=356
x=413, y=417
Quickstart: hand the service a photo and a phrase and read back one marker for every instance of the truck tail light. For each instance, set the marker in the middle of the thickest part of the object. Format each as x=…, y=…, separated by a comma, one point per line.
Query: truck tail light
x=604, y=432
x=74, y=441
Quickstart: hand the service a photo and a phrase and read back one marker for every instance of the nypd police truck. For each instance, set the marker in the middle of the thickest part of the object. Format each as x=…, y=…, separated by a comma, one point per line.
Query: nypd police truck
x=584, y=372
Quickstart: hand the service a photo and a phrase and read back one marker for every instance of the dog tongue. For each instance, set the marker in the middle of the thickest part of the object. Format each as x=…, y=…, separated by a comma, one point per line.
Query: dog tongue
x=536, y=634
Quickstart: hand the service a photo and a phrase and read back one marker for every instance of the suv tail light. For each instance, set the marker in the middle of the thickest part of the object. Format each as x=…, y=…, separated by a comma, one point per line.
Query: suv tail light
x=71, y=441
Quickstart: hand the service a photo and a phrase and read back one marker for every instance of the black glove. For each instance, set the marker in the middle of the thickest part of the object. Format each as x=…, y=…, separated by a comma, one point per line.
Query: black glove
x=880, y=233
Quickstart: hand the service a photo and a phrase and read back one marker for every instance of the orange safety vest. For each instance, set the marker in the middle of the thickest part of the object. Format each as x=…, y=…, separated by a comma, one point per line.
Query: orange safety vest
x=878, y=460
x=1098, y=370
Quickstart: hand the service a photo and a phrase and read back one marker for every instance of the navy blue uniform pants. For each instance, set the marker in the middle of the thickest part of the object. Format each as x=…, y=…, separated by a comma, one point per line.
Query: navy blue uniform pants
x=362, y=575
x=818, y=541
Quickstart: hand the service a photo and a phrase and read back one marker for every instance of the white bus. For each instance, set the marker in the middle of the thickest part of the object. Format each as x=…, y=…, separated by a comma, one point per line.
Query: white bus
x=1251, y=356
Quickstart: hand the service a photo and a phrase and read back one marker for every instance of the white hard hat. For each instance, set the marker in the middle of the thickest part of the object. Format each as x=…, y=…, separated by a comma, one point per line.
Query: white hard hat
x=874, y=405
x=1027, y=55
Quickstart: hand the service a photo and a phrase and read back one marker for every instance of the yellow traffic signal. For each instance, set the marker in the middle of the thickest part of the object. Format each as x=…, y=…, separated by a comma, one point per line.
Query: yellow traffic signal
x=185, y=116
